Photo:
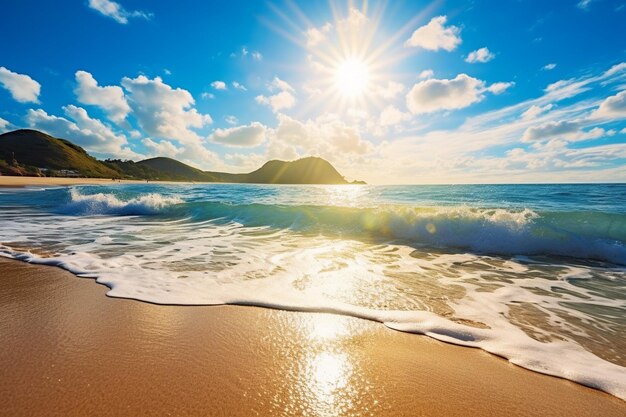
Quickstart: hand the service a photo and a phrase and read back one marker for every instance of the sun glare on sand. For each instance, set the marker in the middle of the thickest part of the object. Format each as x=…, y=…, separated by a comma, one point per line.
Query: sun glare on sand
x=351, y=77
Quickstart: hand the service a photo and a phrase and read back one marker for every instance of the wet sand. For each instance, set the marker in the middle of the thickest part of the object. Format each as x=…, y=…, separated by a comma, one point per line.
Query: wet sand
x=68, y=350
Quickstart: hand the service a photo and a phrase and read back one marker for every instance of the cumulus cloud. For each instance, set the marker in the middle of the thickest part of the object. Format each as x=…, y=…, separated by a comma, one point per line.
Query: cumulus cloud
x=161, y=148
x=83, y=130
x=442, y=94
x=115, y=11
x=549, y=67
x=219, y=85
x=426, y=74
x=353, y=24
x=22, y=88
x=570, y=130
x=231, y=120
x=284, y=99
x=164, y=111
x=435, y=36
x=480, y=55
x=315, y=36
x=534, y=111
x=250, y=135
x=109, y=98
x=325, y=136
x=613, y=107
x=391, y=116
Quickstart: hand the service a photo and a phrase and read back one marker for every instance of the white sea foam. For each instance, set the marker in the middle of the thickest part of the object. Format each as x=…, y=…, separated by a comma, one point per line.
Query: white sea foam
x=547, y=315
x=100, y=203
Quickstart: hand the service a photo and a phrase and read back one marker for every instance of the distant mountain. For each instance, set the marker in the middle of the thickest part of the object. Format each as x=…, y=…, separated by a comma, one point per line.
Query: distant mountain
x=309, y=170
x=25, y=152
x=33, y=149
x=175, y=170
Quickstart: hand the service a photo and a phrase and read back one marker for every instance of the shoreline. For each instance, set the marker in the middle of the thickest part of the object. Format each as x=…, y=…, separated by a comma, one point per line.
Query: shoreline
x=96, y=354
x=20, y=182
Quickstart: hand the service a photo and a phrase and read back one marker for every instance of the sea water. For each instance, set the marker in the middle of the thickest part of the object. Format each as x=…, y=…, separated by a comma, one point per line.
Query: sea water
x=533, y=273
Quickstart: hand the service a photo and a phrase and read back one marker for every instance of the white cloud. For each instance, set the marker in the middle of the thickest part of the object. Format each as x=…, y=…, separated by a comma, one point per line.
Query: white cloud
x=434, y=94
x=115, y=11
x=613, y=107
x=353, y=24
x=615, y=69
x=549, y=67
x=391, y=116
x=388, y=91
x=250, y=135
x=239, y=86
x=164, y=111
x=279, y=84
x=570, y=130
x=435, y=36
x=583, y=4
x=207, y=96
x=315, y=36
x=4, y=124
x=499, y=88
x=459, y=155
x=426, y=74
x=534, y=111
x=219, y=85
x=231, y=120
x=480, y=55
x=90, y=133
x=109, y=98
x=22, y=88
x=282, y=100
x=257, y=56
x=326, y=136
x=161, y=148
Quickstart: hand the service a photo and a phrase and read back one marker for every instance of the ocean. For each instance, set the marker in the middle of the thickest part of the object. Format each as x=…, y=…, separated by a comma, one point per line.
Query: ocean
x=533, y=273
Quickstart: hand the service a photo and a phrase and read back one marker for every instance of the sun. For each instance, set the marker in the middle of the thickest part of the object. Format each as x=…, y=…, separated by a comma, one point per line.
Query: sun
x=351, y=77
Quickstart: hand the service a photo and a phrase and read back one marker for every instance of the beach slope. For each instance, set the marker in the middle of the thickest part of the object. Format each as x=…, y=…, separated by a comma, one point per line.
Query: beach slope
x=68, y=350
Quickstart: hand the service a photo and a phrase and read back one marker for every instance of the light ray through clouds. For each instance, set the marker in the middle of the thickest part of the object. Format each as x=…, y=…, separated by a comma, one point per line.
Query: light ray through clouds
x=381, y=89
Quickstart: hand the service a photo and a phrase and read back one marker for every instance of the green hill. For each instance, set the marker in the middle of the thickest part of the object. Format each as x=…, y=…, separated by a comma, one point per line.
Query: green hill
x=311, y=170
x=172, y=169
x=22, y=152
x=32, y=148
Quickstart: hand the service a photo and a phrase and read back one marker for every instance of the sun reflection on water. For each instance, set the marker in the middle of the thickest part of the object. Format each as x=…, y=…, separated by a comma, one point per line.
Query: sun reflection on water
x=326, y=327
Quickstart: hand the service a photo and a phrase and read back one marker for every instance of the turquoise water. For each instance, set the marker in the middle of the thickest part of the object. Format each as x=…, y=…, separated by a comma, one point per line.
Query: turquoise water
x=533, y=273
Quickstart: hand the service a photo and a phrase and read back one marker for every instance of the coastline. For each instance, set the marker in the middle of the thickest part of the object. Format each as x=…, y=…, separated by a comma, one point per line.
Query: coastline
x=19, y=182
x=70, y=350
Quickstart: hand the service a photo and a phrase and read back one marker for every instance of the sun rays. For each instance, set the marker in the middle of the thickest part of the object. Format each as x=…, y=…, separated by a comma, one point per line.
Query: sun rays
x=349, y=61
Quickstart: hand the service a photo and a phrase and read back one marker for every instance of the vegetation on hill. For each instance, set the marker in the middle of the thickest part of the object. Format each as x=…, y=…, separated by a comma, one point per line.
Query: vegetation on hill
x=33, y=153
x=174, y=170
x=311, y=170
x=36, y=149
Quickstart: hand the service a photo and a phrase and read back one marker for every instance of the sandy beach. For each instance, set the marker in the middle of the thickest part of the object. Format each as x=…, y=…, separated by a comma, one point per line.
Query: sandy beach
x=10, y=181
x=68, y=349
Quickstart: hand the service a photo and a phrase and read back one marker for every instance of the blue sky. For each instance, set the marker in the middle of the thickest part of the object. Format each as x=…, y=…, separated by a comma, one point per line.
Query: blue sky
x=389, y=92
